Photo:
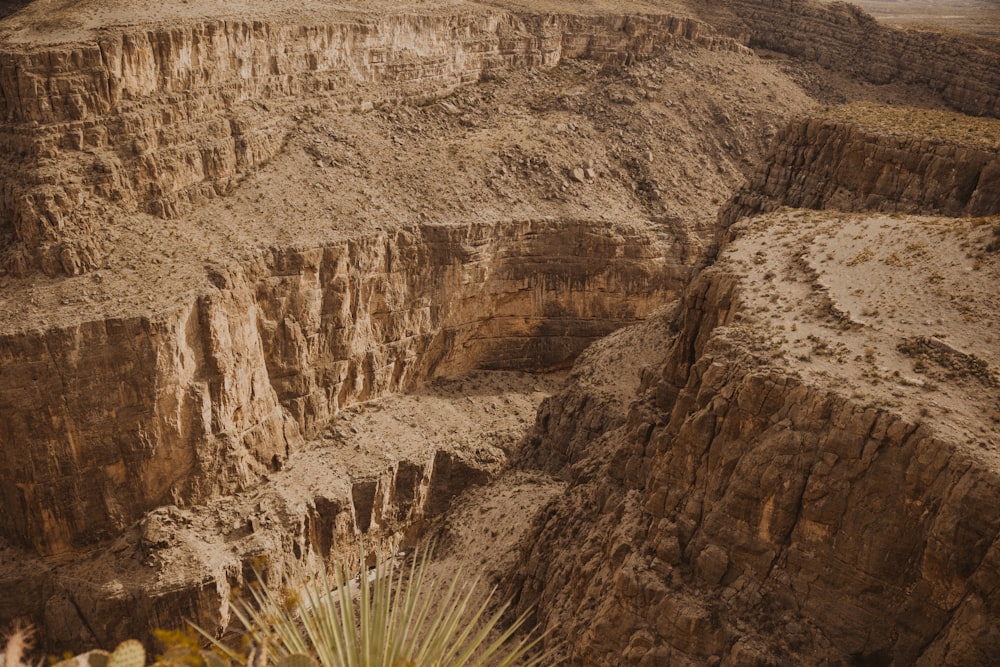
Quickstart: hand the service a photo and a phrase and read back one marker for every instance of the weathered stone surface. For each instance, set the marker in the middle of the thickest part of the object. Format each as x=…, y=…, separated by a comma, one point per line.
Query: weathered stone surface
x=159, y=120
x=742, y=513
x=367, y=484
x=733, y=514
x=827, y=164
x=220, y=391
x=963, y=69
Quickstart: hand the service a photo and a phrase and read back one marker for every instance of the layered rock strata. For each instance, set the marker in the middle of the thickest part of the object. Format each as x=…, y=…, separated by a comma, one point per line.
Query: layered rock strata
x=214, y=393
x=371, y=484
x=754, y=507
x=155, y=120
x=831, y=163
x=964, y=70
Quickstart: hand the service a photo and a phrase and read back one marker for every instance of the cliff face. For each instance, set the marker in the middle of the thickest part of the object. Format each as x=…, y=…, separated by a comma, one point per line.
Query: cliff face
x=963, y=70
x=372, y=482
x=825, y=163
x=742, y=514
x=157, y=120
x=727, y=504
x=209, y=396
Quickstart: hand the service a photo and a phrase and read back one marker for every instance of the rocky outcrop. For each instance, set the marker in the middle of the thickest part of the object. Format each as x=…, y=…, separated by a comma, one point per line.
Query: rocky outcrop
x=207, y=397
x=181, y=565
x=963, y=70
x=742, y=516
x=159, y=119
x=824, y=163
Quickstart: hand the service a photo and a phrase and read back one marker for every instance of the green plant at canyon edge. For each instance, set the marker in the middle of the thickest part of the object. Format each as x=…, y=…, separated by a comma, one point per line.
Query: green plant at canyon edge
x=391, y=618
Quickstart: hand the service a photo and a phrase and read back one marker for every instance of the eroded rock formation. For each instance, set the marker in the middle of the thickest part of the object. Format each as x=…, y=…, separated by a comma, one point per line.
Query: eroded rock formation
x=744, y=513
x=215, y=393
x=725, y=505
x=157, y=120
x=963, y=69
x=829, y=163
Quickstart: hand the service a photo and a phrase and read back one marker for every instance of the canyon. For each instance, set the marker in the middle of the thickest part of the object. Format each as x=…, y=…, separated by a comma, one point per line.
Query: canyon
x=696, y=302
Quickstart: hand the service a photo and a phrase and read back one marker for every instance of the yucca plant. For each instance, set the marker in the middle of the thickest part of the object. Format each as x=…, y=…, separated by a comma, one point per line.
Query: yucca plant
x=397, y=619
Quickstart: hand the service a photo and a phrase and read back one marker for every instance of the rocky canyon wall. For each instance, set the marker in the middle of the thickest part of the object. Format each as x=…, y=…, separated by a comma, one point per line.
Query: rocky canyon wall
x=964, y=70
x=741, y=516
x=156, y=120
x=826, y=163
x=107, y=420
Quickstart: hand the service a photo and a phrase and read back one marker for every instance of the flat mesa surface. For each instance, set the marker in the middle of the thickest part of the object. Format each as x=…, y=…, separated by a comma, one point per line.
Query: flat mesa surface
x=900, y=312
x=978, y=16
x=54, y=21
x=929, y=124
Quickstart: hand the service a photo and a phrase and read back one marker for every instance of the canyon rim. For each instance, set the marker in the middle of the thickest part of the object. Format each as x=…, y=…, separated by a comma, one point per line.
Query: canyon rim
x=678, y=320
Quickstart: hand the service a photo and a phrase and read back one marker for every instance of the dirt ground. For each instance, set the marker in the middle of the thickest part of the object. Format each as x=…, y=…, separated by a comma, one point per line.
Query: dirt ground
x=898, y=311
x=978, y=16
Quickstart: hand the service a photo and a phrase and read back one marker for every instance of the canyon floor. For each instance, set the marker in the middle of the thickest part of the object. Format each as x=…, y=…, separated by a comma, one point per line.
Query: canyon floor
x=561, y=317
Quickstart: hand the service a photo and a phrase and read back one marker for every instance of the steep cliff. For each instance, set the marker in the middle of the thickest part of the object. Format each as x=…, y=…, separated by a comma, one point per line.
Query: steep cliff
x=226, y=241
x=210, y=343
x=155, y=120
x=790, y=483
x=876, y=158
x=210, y=395
x=964, y=70
x=375, y=480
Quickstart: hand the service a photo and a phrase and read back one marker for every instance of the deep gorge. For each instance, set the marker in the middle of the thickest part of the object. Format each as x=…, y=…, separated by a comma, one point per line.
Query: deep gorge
x=431, y=198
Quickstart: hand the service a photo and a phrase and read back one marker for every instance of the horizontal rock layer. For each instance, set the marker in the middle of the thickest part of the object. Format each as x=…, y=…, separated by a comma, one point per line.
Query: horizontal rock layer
x=963, y=69
x=106, y=420
x=156, y=119
x=826, y=164
x=741, y=517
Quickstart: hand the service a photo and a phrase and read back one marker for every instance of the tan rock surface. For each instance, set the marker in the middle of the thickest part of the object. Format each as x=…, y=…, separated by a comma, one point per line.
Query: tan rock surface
x=256, y=317
x=380, y=475
x=872, y=158
x=798, y=480
x=233, y=234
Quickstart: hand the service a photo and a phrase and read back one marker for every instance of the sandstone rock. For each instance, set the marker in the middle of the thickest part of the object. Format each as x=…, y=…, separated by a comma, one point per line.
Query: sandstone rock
x=820, y=163
x=777, y=493
x=57, y=209
x=722, y=511
x=712, y=564
x=219, y=391
x=841, y=36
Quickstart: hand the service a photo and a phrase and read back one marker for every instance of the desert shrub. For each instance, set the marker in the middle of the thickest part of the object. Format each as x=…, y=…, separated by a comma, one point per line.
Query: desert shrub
x=395, y=617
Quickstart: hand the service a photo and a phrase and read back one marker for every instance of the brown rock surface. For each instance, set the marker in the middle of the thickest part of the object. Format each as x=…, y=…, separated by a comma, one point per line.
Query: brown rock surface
x=790, y=482
x=964, y=69
x=222, y=390
x=158, y=120
x=873, y=158
x=257, y=259
x=381, y=474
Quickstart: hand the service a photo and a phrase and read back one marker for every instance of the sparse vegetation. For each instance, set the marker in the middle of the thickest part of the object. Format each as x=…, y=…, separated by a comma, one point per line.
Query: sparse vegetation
x=395, y=618
x=390, y=618
x=994, y=244
x=957, y=364
x=946, y=126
